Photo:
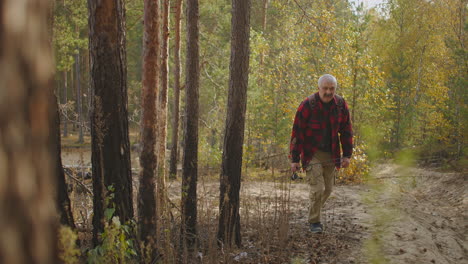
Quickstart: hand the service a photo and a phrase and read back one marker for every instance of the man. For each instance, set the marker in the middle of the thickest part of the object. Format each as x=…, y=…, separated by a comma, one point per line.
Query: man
x=322, y=122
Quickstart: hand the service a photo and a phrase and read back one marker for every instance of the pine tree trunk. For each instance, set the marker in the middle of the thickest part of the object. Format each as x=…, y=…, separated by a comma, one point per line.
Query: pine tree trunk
x=79, y=104
x=148, y=158
x=109, y=119
x=264, y=25
x=190, y=159
x=65, y=100
x=27, y=176
x=162, y=108
x=229, y=219
x=175, y=118
x=63, y=201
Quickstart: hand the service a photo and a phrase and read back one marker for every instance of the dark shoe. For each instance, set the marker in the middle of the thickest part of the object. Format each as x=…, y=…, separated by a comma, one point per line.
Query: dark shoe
x=316, y=228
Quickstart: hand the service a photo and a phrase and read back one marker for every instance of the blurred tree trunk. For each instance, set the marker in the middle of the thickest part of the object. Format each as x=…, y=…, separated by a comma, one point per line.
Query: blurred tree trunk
x=229, y=219
x=109, y=119
x=190, y=159
x=175, y=118
x=27, y=176
x=148, y=158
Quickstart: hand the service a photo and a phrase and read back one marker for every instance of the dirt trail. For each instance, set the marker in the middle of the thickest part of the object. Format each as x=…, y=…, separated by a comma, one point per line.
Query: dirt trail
x=399, y=216
x=418, y=216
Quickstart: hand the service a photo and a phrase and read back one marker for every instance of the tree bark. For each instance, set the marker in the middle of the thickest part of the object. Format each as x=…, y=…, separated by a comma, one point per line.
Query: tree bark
x=175, y=118
x=62, y=199
x=28, y=225
x=79, y=95
x=229, y=219
x=264, y=25
x=148, y=158
x=65, y=100
x=190, y=158
x=109, y=119
x=162, y=108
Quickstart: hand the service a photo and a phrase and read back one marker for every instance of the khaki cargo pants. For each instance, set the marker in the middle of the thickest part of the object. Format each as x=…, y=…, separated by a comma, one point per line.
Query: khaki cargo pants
x=320, y=174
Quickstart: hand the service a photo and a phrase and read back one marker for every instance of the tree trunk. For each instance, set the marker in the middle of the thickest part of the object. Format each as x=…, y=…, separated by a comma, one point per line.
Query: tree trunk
x=79, y=95
x=264, y=24
x=65, y=100
x=354, y=100
x=162, y=108
x=109, y=119
x=63, y=201
x=27, y=176
x=190, y=159
x=175, y=118
x=229, y=219
x=148, y=159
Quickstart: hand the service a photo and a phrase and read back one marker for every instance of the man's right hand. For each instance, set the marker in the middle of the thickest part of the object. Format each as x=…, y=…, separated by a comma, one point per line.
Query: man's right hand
x=295, y=166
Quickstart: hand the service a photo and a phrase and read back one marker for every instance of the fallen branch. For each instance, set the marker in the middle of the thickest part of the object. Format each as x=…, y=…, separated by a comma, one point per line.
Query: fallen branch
x=80, y=183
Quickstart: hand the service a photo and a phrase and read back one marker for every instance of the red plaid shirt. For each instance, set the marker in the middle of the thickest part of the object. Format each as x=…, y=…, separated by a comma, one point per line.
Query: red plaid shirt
x=307, y=131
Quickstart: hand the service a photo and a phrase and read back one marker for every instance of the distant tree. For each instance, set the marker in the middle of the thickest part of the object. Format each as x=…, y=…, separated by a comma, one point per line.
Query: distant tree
x=27, y=175
x=62, y=199
x=65, y=100
x=79, y=97
x=190, y=158
x=229, y=219
x=109, y=120
x=175, y=112
x=264, y=26
x=148, y=158
x=70, y=39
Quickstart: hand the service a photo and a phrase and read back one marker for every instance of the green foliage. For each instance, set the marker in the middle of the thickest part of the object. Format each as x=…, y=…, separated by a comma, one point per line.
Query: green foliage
x=134, y=36
x=402, y=67
x=68, y=250
x=358, y=168
x=117, y=244
x=210, y=154
x=69, y=31
x=298, y=260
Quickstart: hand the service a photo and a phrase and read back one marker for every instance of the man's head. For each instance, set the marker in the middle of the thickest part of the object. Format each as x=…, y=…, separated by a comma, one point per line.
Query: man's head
x=327, y=87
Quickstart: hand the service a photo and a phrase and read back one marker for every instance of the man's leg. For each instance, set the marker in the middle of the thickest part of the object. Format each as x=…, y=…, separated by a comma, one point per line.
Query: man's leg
x=314, y=175
x=329, y=173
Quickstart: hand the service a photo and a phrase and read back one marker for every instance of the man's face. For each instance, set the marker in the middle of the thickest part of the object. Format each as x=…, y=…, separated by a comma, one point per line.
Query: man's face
x=327, y=90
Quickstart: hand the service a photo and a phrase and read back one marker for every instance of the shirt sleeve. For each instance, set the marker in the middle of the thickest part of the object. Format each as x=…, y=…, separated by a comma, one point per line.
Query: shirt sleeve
x=297, y=135
x=346, y=132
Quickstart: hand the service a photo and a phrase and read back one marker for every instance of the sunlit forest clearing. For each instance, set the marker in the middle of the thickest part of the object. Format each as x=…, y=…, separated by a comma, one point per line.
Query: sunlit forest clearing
x=147, y=131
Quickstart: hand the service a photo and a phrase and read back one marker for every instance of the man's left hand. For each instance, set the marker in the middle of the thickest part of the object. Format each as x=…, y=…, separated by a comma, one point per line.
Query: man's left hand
x=345, y=162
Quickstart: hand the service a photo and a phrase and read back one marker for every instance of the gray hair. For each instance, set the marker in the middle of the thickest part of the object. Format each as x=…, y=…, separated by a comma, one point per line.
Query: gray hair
x=327, y=77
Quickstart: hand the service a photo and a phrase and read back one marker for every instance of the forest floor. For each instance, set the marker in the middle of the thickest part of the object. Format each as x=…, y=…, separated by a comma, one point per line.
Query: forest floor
x=399, y=215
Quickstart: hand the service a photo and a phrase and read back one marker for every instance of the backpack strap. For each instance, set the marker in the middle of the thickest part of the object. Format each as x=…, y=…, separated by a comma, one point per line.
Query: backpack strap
x=311, y=99
x=339, y=100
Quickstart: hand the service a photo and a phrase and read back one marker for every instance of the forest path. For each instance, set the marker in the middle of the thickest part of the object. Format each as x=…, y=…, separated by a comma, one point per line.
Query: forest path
x=403, y=215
